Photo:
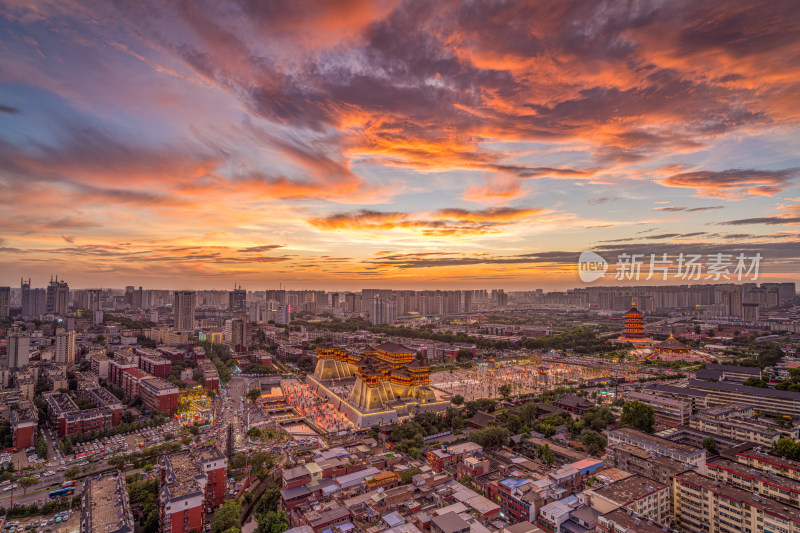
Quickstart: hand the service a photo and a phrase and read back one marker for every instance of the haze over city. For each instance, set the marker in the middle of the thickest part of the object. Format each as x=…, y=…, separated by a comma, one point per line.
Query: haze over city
x=343, y=145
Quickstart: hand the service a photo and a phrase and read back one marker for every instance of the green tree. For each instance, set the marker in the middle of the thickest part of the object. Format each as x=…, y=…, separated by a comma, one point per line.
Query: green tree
x=638, y=415
x=528, y=413
x=505, y=390
x=593, y=441
x=227, y=516
x=72, y=472
x=41, y=448
x=514, y=424
x=756, y=382
x=127, y=417
x=66, y=447
x=253, y=395
x=710, y=444
x=598, y=419
x=545, y=454
x=273, y=522
x=27, y=482
x=464, y=354
x=149, y=520
x=490, y=437
x=786, y=447
x=458, y=400
x=407, y=474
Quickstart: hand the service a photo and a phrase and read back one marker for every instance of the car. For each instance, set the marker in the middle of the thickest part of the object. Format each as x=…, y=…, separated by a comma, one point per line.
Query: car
x=28, y=527
x=51, y=522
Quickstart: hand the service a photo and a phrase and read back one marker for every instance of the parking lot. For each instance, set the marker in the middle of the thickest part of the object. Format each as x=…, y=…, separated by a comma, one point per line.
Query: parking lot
x=63, y=522
x=128, y=442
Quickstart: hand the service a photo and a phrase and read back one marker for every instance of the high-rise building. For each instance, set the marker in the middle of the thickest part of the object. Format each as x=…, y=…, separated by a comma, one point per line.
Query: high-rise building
x=276, y=295
x=183, y=308
x=383, y=310
x=133, y=297
x=467, y=296
x=93, y=299
x=65, y=347
x=352, y=303
x=283, y=314
x=34, y=301
x=238, y=331
x=19, y=347
x=237, y=301
x=5, y=302
x=57, y=297
x=25, y=297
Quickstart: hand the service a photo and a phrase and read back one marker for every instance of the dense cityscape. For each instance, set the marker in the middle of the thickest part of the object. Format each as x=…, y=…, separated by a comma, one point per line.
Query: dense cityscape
x=399, y=266
x=595, y=409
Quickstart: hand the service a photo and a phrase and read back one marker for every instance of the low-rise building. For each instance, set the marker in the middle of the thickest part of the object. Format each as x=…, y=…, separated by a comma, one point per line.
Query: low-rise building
x=159, y=395
x=24, y=421
x=209, y=374
x=766, y=400
x=638, y=461
x=705, y=504
x=105, y=507
x=764, y=483
x=691, y=456
x=192, y=485
x=636, y=494
x=153, y=363
x=620, y=521
x=448, y=456
x=668, y=411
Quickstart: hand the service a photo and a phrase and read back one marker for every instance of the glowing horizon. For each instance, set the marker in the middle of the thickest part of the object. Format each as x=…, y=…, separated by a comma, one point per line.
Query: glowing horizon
x=355, y=144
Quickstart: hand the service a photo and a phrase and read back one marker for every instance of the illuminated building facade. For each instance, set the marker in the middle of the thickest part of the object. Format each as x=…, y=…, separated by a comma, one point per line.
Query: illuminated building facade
x=387, y=382
x=634, y=323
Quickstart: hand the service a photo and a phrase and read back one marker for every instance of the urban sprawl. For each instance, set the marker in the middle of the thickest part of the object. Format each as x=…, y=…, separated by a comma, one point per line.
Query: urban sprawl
x=608, y=409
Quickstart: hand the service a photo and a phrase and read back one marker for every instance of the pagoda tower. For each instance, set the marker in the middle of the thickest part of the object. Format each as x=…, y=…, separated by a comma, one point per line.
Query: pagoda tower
x=634, y=323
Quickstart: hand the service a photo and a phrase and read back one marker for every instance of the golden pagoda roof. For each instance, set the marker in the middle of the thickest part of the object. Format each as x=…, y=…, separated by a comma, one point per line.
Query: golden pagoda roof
x=671, y=344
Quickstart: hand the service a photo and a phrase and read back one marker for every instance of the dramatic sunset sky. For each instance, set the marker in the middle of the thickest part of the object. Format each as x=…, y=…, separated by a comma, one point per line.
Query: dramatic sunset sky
x=348, y=143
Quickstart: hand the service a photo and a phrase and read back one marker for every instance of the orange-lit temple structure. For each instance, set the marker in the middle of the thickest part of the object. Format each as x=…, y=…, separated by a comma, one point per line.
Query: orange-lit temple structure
x=671, y=346
x=387, y=382
x=634, y=328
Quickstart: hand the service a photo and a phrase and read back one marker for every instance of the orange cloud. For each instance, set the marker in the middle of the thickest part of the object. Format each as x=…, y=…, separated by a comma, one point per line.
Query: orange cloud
x=734, y=183
x=445, y=222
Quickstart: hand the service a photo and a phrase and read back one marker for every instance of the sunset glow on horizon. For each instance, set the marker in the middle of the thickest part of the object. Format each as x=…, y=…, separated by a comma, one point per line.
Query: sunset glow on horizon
x=405, y=144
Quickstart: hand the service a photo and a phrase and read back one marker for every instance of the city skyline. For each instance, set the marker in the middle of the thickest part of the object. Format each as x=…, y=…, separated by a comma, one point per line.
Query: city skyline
x=392, y=144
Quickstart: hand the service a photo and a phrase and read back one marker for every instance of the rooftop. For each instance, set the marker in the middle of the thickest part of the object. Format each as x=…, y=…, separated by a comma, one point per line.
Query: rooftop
x=182, y=475
x=652, y=440
x=136, y=373
x=628, y=523
x=743, y=389
x=158, y=384
x=656, y=399
x=629, y=489
x=450, y=523
x=107, y=509
x=393, y=347
x=747, y=472
x=742, y=497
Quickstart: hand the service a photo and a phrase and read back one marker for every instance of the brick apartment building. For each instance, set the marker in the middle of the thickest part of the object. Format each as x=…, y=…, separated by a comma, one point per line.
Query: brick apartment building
x=159, y=395
x=153, y=363
x=24, y=421
x=192, y=484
